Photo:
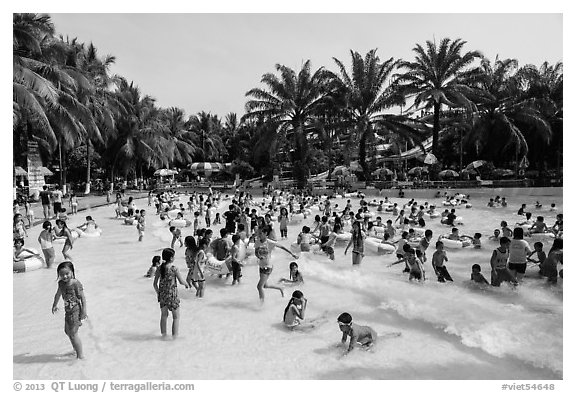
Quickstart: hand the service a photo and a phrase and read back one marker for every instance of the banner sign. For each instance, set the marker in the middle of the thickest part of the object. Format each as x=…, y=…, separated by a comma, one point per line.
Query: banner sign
x=35, y=176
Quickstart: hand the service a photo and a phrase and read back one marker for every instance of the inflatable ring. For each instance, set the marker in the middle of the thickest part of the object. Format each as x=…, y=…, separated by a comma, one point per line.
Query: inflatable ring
x=31, y=263
x=296, y=218
x=468, y=206
x=215, y=266
x=379, y=229
x=374, y=245
x=62, y=240
x=543, y=235
x=346, y=236
x=93, y=233
x=130, y=221
x=180, y=223
x=450, y=243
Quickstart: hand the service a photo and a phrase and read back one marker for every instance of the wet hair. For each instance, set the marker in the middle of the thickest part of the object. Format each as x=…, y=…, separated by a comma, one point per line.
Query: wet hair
x=454, y=230
x=223, y=232
x=190, y=242
x=46, y=224
x=406, y=247
x=528, y=215
x=477, y=235
x=476, y=267
x=557, y=245
x=64, y=265
x=292, y=264
x=518, y=233
x=172, y=228
x=337, y=227
x=427, y=232
x=62, y=222
x=156, y=260
x=345, y=318
x=538, y=244
x=421, y=222
x=386, y=236
x=203, y=243
x=503, y=224
x=88, y=218
x=439, y=243
x=167, y=255
x=235, y=238
x=504, y=240
x=295, y=295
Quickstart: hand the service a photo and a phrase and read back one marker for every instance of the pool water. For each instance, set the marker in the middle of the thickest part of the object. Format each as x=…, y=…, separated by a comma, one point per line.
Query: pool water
x=448, y=330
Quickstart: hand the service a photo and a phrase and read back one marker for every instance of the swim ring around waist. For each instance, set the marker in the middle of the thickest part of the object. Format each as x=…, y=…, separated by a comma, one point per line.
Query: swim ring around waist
x=33, y=262
x=374, y=245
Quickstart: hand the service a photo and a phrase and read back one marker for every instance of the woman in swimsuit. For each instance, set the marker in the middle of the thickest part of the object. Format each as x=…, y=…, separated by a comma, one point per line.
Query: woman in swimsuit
x=357, y=241
x=263, y=247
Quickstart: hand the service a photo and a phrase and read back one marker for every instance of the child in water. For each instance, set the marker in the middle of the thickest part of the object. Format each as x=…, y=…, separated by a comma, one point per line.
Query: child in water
x=540, y=254
x=72, y=293
x=295, y=276
x=476, y=240
x=176, y=236
x=438, y=260
x=294, y=312
x=155, y=263
x=167, y=290
x=476, y=276
x=364, y=336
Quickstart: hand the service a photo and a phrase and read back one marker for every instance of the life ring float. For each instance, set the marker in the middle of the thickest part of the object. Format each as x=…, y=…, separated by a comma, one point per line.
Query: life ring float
x=543, y=235
x=434, y=214
x=130, y=221
x=172, y=214
x=180, y=223
x=450, y=243
x=338, y=196
x=368, y=215
x=62, y=240
x=350, y=195
x=215, y=266
x=344, y=237
x=374, y=245
x=379, y=229
x=373, y=203
x=468, y=206
x=31, y=262
x=92, y=233
x=296, y=218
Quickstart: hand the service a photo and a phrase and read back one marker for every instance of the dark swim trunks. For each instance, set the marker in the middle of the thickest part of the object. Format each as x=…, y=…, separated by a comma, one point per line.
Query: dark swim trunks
x=265, y=270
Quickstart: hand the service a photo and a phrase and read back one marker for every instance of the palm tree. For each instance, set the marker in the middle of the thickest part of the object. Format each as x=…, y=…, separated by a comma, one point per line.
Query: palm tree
x=182, y=141
x=506, y=113
x=440, y=75
x=206, y=133
x=142, y=138
x=289, y=104
x=366, y=96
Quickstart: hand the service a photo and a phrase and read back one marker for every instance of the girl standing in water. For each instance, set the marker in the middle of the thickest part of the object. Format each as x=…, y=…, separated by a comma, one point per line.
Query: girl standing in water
x=167, y=290
x=263, y=247
x=357, y=241
x=72, y=292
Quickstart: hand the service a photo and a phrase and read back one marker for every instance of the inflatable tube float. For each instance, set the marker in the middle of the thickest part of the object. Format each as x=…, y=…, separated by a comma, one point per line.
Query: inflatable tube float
x=468, y=206
x=375, y=246
x=91, y=233
x=62, y=240
x=180, y=223
x=543, y=235
x=373, y=203
x=343, y=237
x=450, y=243
x=130, y=221
x=296, y=218
x=368, y=214
x=350, y=195
x=432, y=215
x=31, y=262
x=379, y=229
x=215, y=266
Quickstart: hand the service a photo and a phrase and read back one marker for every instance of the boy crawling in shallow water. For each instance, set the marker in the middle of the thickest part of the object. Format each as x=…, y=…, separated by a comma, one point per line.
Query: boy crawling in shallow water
x=364, y=336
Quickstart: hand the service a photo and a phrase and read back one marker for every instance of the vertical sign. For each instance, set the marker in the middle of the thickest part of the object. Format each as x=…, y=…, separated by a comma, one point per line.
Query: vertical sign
x=35, y=176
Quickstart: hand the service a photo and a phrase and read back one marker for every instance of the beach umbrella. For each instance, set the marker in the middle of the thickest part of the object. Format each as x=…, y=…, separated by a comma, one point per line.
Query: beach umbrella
x=382, y=172
x=206, y=167
x=165, y=172
x=475, y=164
x=418, y=170
x=448, y=173
x=19, y=171
x=468, y=172
x=341, y=170
x=430, y=159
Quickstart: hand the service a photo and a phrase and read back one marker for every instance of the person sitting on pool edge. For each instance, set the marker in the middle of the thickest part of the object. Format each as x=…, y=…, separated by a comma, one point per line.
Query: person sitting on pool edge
x=364, y=336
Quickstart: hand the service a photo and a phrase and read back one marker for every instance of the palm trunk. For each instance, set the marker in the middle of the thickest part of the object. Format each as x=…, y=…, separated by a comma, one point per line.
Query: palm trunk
x=436, y=129
x=87, y=190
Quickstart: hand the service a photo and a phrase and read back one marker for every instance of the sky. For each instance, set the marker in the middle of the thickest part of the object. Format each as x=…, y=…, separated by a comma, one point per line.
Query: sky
x=207, y=62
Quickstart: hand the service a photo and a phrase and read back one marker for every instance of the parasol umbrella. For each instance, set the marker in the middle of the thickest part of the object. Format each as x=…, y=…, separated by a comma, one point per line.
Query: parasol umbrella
x=448, y=173
x=382, y=172
x=19, y=171
x=341, y=170
x=418, y=170
x=165, y=172
x=468, y=172
x=430, y=159
x=475, y=164
x=206, y=167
